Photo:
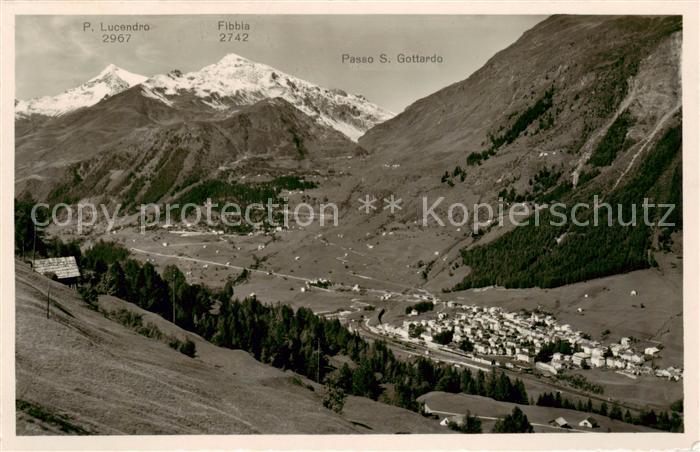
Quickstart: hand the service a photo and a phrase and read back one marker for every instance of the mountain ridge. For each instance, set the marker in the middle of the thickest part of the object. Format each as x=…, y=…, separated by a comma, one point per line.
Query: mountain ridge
x=237, y=81
x=572, y=89
x=574, y=107
x=110, y=81
x=218, y=89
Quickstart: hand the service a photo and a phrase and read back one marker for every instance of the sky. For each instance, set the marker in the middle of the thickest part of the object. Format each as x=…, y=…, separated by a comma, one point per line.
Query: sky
x=54, y=53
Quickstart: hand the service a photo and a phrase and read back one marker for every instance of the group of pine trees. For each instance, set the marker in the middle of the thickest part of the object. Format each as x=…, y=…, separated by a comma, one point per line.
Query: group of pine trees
x=303, y=342
x=420, y=307
x=470, y=424
x=520, y=125
x=29, y=239
x=515, y=422
x=672, y=422
x=532, y=256
x=282, y=337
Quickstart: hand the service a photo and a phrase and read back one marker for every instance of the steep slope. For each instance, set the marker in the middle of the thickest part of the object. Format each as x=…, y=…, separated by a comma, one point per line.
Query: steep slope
x=112, y=80
x=574, y=108
x=237, y=81
x=544, y=102
x=235, y=112
x=578, y=106
x=158, y=161
x=79, y=372
x=588, y=59
x=119, y=148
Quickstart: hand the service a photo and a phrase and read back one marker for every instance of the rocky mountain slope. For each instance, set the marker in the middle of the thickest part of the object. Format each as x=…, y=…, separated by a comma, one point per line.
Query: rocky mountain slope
x=235, y=81
x=580, y=105
x=149, y=154
x=577, y=106
x=232, y=115
x=112, y=80
x=545, y=101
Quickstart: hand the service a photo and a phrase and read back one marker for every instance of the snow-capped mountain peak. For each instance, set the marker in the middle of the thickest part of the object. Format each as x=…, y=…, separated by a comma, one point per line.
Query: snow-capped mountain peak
x=237, y=81
x=115, y=72
x=112, y=80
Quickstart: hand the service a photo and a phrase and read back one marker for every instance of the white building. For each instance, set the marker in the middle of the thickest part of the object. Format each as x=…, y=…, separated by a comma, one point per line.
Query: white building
x=589, y=422
x=651, y=351
x=580, y=358
x=523, y=357
x=544, y=367
x=597, y=361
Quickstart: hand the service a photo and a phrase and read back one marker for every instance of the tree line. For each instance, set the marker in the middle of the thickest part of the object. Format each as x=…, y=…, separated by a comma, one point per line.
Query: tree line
x=296, y=340
x=552, y=254
x=520, y=125
x=672, y=422
x=285, y=338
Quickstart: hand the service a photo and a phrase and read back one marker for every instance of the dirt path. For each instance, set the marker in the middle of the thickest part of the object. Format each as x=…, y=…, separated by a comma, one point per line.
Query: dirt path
x=208, y=262
x=282, y=275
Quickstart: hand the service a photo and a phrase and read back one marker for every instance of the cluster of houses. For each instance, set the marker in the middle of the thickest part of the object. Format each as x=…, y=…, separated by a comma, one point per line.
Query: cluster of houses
x=519, y=336
x=561, y=422
x=620, y=356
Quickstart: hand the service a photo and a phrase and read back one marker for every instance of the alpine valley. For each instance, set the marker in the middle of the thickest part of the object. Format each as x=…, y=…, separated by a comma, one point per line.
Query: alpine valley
x=458, y=320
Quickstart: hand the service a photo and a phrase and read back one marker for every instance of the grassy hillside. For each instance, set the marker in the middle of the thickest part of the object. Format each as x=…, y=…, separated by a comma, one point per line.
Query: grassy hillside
x=79, y=372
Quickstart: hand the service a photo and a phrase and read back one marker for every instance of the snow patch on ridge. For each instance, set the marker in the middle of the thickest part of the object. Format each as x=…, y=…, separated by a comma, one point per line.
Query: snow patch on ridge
x=112, y=80
x=237, y=81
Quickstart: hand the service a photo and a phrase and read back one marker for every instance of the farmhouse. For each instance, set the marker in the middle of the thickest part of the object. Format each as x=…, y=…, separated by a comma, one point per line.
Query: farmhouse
x=559, y=422
x=589, y=422
x=64, y=268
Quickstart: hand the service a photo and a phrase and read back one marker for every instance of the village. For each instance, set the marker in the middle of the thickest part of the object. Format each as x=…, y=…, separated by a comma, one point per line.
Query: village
x=525, y=340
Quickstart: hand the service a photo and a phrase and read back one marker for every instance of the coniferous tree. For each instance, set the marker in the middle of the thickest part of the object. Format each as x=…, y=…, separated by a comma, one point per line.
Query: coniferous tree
x=616, y=412
x=516, y=422
x=470, y=424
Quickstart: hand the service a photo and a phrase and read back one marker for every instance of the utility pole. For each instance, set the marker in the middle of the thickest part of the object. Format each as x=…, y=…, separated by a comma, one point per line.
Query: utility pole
x=318, y=359
x=172, y=298
x=48, y=298
x=34, y=245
